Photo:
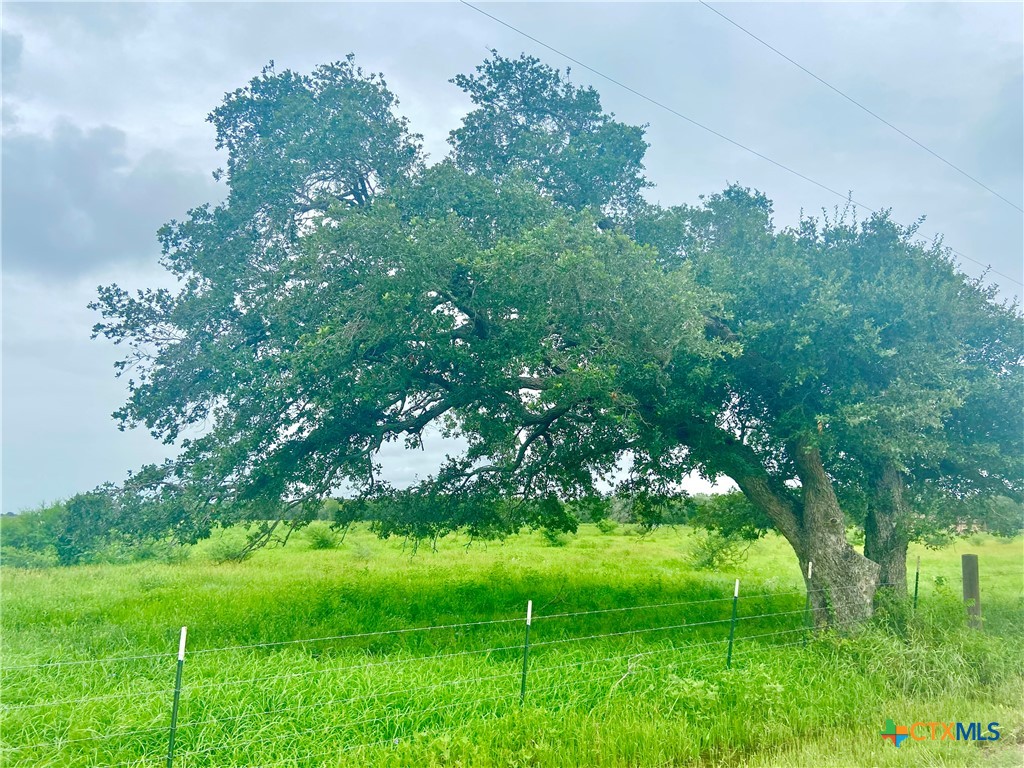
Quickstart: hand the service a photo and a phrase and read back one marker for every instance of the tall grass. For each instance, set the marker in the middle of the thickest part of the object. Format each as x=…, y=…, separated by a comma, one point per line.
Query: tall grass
x=645, y=687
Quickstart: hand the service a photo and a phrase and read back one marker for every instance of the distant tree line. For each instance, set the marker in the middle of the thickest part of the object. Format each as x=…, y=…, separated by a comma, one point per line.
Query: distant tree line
x=99, y=527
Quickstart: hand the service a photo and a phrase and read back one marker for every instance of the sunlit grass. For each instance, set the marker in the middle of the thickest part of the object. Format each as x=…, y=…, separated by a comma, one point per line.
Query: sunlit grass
x=651, y=690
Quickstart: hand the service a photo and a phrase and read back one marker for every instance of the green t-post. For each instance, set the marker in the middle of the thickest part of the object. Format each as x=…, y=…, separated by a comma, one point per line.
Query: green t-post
x=732, y=624
x=526, y=651
x=177, y=697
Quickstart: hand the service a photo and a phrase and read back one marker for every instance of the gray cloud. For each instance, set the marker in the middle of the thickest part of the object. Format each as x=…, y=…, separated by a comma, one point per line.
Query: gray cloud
x=998, y=150
x=11, y=57
x=75, y=200
x=10, y=64
x=59, y=391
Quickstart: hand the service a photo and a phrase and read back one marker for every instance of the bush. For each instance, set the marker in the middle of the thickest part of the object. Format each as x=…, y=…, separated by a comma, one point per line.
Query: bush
x=18, y=557
x=229, y=550
x=606, y=525
x=554, y=538
x=33, y=530
x=730, y=514
x=163, y=551
x=87, y=525
x=715, y=550
x=322, y=536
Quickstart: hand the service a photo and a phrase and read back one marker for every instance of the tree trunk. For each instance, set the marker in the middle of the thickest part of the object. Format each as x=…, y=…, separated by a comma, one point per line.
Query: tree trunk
x=843, y=582
x=885, y=530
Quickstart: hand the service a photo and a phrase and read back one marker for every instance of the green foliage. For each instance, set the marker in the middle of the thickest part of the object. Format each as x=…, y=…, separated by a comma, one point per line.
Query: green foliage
x=33, y=530
x=229, y=549
x=591, y=508
x=554, y=537
x=88, y=520
x=648, y=510
x=893, y=611
x=72, y=532
x=862, y=345
x=530, y=119
x=299, y=144
x=322, y=536
x=89, y=528
x=606, y=525
x=731, y=515
x=714, y=550
x=121, y=551
x=21, y=557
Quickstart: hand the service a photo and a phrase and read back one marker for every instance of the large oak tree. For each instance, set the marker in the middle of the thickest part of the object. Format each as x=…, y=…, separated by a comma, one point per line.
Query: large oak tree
x=521, y=295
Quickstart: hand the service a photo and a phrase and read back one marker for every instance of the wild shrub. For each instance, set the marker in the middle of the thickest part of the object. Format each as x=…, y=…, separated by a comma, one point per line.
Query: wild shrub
x=553, y=537
x=715, y=550
x=322, y=536
x=19, y=557
x=229, y=550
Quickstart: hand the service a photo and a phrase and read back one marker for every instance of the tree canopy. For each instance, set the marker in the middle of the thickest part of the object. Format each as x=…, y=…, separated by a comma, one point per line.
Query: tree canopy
x=520, y=294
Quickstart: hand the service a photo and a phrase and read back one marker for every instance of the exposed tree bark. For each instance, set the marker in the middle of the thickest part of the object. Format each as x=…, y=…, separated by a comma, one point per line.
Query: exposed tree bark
x=843, y=582
x=885, y=529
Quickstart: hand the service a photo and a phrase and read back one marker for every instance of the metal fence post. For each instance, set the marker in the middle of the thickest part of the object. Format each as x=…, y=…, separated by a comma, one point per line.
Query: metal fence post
x=526, y=651
x=807, y=602
x=732, y=624
x=917, y=579
x=177, y=698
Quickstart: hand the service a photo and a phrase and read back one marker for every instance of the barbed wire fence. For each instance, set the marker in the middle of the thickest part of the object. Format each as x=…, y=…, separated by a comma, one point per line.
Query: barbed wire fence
x=224, y=717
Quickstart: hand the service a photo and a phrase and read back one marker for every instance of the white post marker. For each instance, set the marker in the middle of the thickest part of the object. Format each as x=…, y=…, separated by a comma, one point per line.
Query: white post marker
x=526, y=650
x=177, y=697
x=807, y=603
x=732, y=624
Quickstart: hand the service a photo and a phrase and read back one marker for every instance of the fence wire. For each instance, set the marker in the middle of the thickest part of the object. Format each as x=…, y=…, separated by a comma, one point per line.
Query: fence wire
x=194, y=695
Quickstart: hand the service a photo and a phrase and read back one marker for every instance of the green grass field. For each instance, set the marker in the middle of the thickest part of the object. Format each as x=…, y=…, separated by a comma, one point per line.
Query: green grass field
x=648, y=688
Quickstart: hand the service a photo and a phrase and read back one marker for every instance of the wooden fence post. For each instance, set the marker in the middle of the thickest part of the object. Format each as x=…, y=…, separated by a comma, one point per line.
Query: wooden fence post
x=972, y=589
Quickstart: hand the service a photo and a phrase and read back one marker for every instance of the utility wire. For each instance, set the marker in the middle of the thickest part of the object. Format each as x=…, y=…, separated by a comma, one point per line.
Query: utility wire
x=860, y=106
x=710, y=130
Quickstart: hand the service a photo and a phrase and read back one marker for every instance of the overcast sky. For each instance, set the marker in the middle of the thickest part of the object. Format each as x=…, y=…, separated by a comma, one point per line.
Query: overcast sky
x=104, y=139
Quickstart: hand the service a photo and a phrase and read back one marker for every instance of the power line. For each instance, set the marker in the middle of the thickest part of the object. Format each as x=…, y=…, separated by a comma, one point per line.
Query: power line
x=856, y=103
x=708, y=129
